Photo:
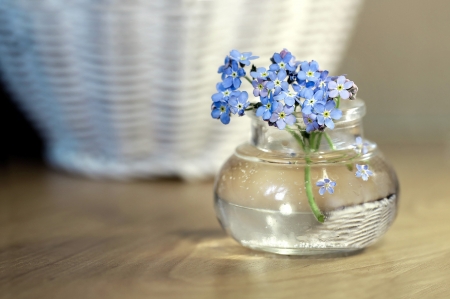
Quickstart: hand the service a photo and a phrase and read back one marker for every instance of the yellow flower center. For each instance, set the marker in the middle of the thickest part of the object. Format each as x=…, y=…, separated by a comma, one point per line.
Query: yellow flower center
x=282, y=115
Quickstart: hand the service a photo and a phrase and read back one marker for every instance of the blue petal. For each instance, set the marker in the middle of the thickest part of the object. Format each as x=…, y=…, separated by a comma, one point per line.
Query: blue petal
x=344, y=94
x=319, y=109
x=289, y=101
x=301, y=75
x=336, y=114
x=215, y=113
x=225, y=118
x=235, y=54
x=217, y=97
x=314, y=66
x=277, y=57
x=281, y=124
x=304, y=66
x=320, y=120
x=329, y=123
x=322, y=190
x=266, y=115
x=243, y=97
x=307, y=93
x=236, y=82
x=260, y=111
x=274, y=67
x=330, y=190
x=227, y=82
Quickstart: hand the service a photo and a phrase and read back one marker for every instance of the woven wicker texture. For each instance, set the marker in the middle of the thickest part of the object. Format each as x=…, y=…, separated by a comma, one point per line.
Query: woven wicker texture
x=122, y=89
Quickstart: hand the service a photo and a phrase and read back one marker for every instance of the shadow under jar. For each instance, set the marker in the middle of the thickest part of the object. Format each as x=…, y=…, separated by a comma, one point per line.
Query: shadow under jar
x=290, y=192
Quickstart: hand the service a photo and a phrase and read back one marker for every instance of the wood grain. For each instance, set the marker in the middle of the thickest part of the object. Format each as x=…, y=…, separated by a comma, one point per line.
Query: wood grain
x=68, y=237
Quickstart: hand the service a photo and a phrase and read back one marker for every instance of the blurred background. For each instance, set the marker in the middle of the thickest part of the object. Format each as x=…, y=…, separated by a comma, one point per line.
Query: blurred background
x=123, y=90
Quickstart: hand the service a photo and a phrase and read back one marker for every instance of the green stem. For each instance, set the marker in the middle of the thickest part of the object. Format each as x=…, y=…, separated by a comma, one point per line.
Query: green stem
x=338, y=102
x=297, y=137
x=309, y=193
x=312, y=139
x=248, y=79
x=329, y=141
x=319, y=137
x=308, y=185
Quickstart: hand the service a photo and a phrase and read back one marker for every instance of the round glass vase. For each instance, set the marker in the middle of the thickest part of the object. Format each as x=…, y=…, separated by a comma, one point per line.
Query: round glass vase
x=290, y=192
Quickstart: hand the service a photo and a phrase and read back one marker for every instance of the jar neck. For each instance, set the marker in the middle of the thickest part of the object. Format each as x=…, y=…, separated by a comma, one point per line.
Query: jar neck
x=294, y=139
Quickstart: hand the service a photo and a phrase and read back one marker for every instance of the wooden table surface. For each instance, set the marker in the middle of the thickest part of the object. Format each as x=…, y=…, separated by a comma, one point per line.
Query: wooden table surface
x=63, y=236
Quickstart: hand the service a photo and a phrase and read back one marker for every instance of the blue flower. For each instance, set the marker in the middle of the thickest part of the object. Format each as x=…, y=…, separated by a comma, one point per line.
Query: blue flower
x=234, y=73
x=222, y=111
x=326, y=113
x=243, y=57
x=311, y=102
x=339, y=88
x=288, y=96
x=309, y=71
x=260, y=73
x=238, y=102
x=269, y=105
x=278, y=82
x=363, y=172
x=310, y=121
x=360, y=146
x=223, y=93
x=260, y=87
x=282, y=116
x=283, y=61
x=326, y=185
x=322, y=81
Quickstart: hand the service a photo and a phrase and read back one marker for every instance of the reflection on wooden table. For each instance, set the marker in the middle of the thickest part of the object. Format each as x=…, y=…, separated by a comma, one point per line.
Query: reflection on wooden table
x=69, y=237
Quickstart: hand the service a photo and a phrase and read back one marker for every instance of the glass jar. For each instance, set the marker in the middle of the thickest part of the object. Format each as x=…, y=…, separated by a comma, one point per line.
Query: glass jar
x=290, y=192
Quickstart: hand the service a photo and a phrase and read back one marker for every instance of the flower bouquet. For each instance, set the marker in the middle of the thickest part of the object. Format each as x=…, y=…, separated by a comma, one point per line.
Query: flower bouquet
x=288, y=86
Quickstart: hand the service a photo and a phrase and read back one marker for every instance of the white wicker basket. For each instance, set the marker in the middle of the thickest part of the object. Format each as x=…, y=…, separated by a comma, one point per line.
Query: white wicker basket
x=122, y=89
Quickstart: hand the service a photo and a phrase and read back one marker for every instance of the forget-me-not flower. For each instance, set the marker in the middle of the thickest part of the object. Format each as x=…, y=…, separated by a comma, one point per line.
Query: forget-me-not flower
x=238, y=102
x=269, y=105
x=310, y=103
x=223, y=93
x=260, y=87
x=283, y=61
x=360, y=146
x=322, y=81
x=234, y=75
x=363, y=172
x=310, y=121
x=261, y=73
x=339, y=88
x=308, y=71
x=282, y=116
x=243, y=57
x=221, y=110
x=326, y=113
x=277, y=80
x=326, y=185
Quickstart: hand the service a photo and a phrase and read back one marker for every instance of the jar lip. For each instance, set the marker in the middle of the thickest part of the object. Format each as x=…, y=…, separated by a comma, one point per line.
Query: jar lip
x=351, y=110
